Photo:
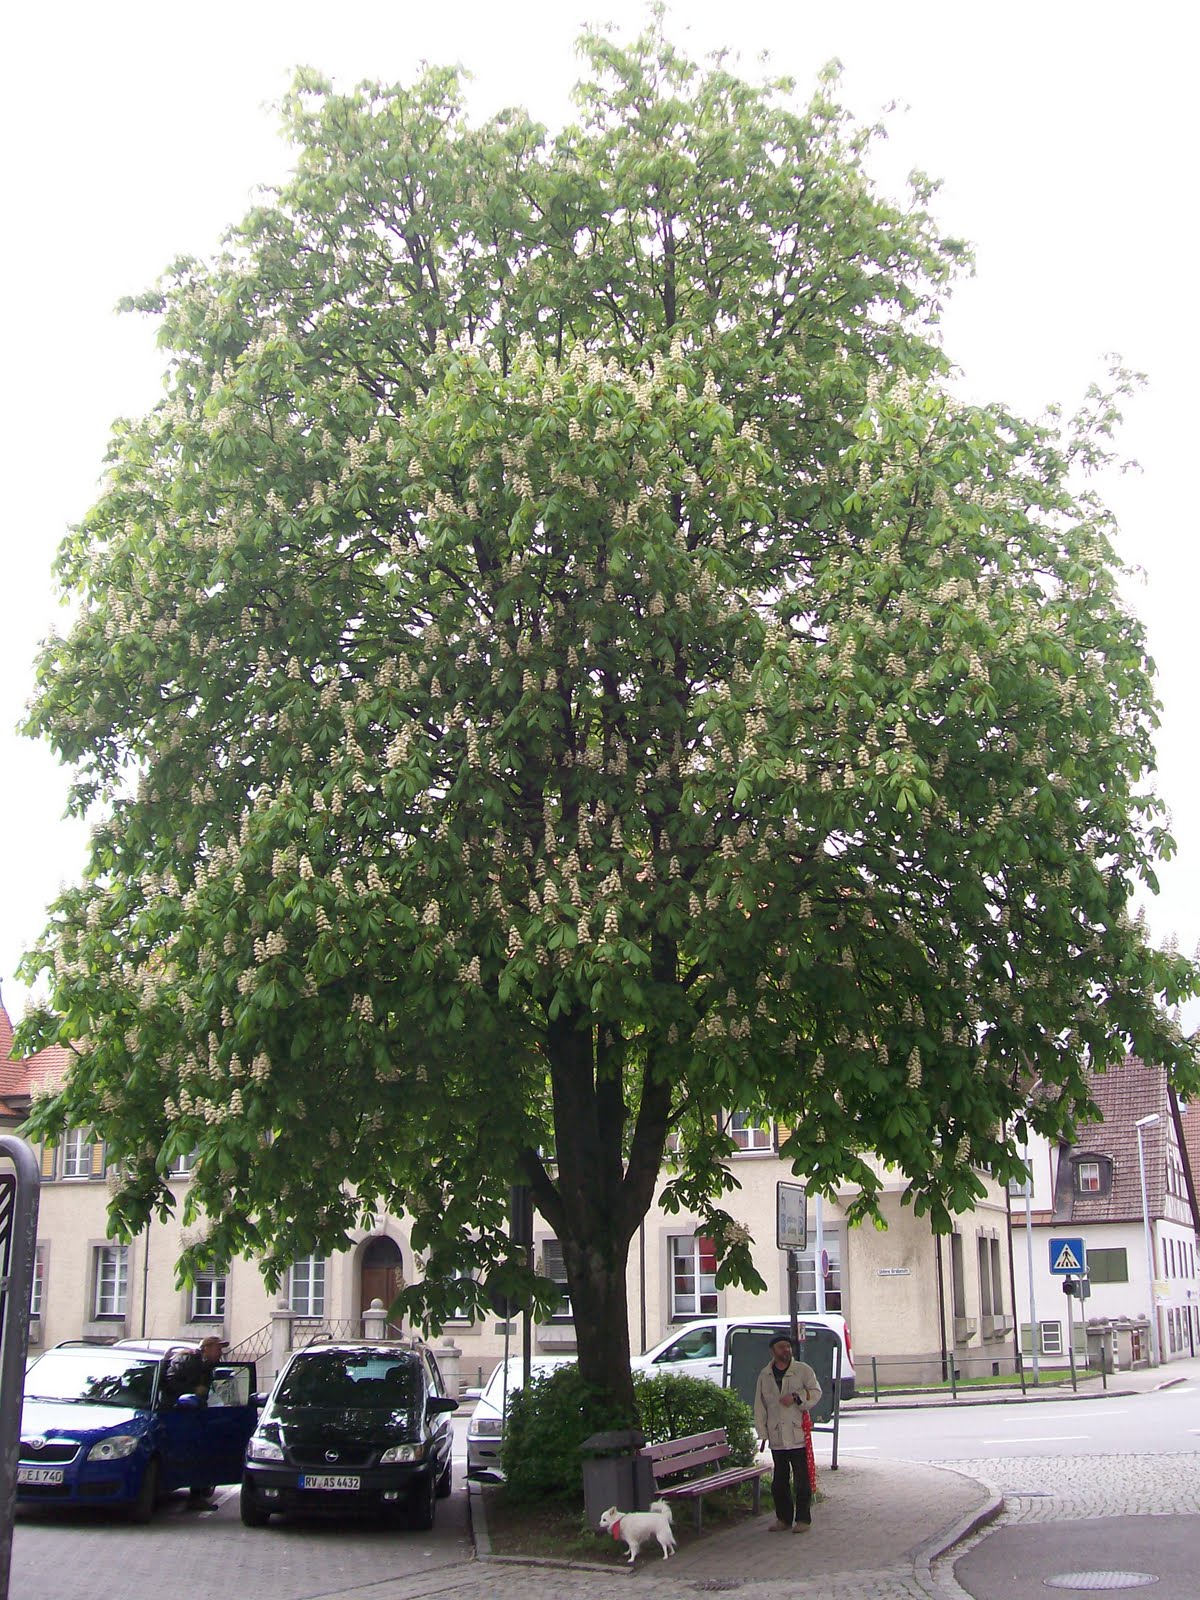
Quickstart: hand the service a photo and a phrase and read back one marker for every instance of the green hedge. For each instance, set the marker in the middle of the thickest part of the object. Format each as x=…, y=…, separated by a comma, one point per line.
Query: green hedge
x=549, y=1420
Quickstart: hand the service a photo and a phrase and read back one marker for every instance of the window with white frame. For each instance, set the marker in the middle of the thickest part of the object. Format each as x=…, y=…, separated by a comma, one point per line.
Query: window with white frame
x=111, y=1291
x=461, y=1310
x=749, y=1132
x=306, y=1286
x=182, y=1165
x=554, y=1268
x=693, y=1277
x=808, y=1265
x=1087, y=1177
x=208, y=1297
x=77, y=1155
x=36, y=1287
x=1050, y=1337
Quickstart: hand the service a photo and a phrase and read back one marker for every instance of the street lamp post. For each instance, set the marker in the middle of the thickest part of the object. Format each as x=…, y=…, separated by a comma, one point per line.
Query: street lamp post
x=1141, y=1125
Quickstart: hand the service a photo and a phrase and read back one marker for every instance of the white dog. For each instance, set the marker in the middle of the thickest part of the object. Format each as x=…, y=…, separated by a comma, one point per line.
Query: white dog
x=639, y=1527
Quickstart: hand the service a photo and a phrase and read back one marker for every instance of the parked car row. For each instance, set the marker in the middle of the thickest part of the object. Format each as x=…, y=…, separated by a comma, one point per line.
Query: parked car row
x=361, y=1427
x=697, y=1349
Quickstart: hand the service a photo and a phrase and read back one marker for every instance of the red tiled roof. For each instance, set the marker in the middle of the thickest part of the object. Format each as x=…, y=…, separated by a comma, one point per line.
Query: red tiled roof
x=1124, y=1095
x=19, y=1078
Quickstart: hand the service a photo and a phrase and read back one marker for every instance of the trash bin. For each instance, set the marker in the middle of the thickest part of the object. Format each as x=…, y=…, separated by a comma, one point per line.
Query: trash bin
x=614, y=1474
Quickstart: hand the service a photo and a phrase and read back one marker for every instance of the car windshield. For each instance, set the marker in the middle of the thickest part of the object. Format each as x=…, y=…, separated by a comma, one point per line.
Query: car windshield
x=92, y=1375
x=350, y=1381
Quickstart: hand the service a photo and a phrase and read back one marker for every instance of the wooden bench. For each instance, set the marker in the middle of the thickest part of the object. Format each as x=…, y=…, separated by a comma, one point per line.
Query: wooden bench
x=699, y=1450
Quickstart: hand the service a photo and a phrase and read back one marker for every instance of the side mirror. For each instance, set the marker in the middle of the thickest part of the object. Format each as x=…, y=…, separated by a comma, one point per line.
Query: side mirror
x=259, y=1399
x=439, y=1404
x=188, y=1402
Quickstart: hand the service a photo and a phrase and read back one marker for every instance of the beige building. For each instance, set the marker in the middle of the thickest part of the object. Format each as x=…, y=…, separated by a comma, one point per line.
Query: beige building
x=914, y=1303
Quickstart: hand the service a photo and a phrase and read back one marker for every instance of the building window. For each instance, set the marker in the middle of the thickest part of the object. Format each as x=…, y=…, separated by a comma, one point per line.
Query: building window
x=1051, y=1338
x=306, y=1286
x=1087, y=1177
x=1108, y=1266
x=208, y=1297
x=749, y=1132
x=806, y=1261
x=958, y=1282
x=112, y=1280
x=462, y=1308
x=36, y=1288
x=554, y=1268
x=77, y=1155
x=985, y=1278
x=693, y=1277
x=182, y=1165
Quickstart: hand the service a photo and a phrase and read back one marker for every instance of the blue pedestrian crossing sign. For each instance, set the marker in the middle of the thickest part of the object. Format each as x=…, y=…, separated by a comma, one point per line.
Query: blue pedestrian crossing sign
x=1067, y=1257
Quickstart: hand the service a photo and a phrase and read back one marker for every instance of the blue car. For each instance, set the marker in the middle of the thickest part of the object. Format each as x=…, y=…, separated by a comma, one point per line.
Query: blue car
x=99, y=1429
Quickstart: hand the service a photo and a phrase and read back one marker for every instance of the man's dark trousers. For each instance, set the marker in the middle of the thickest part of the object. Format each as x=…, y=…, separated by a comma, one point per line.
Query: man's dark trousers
x=791, y=1467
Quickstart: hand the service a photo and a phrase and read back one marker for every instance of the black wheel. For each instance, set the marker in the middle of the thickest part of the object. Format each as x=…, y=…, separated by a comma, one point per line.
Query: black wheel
x=142, y=1508
x=444, y=1484
x=253, y=1515
x=422, y=1507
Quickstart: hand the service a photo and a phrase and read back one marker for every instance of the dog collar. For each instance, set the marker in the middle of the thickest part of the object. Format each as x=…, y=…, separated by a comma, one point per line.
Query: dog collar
x=616, y=1529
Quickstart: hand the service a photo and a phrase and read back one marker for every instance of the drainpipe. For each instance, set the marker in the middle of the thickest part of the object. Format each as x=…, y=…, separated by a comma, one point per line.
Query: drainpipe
x=145, y=1275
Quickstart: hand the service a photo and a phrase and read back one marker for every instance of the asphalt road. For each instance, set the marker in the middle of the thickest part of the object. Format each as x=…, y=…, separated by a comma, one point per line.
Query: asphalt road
x=1164, y=1423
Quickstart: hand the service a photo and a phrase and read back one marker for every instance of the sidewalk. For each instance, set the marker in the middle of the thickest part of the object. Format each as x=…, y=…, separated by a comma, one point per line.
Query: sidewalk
x=876, y=1532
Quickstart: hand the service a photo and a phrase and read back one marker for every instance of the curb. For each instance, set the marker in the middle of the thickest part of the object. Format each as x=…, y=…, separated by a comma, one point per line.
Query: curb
x=477, y=1518
x=870, y=1407
x=935, y=1548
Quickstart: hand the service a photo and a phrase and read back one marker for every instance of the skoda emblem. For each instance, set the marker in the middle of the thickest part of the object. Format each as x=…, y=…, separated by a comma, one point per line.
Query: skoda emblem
x=331, y=1455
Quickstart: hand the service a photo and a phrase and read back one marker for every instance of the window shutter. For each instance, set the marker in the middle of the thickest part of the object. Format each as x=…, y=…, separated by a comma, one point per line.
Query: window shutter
x=98, y=1159
x=49, y=1160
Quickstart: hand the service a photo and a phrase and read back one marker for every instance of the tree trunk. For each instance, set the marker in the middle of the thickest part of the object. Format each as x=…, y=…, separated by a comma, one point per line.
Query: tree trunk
x=600, y=1303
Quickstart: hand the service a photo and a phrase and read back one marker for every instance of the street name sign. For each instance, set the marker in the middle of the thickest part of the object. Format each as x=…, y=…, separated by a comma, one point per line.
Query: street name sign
x=1067, y=1257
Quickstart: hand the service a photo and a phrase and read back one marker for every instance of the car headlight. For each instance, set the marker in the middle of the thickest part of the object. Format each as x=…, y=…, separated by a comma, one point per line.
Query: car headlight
x=260, y=1449
x=486, y=1428
x=402, y=1452
x=115, y=1448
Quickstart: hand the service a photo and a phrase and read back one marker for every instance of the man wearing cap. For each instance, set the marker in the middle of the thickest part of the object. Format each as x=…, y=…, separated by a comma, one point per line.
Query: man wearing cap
x=785, y=1393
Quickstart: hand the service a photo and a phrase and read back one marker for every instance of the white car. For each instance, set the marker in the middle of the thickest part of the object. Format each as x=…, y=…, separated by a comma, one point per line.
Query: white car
x=697, y=1348
x=485, y=1430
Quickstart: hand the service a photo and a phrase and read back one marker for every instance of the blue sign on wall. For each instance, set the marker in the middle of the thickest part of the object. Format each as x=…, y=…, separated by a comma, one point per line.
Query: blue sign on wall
x=1068, y=1258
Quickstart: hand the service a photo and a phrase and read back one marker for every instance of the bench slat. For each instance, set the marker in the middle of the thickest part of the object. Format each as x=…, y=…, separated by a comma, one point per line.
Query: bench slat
x=692, y=1441
x=716, y=1480
x=697, y=1450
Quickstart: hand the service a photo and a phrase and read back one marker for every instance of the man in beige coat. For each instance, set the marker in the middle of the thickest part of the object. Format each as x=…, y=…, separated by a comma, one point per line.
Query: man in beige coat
x=786, y=1391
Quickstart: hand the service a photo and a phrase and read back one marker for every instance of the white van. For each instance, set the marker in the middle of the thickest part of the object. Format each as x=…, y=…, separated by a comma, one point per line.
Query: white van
x=697, y=1348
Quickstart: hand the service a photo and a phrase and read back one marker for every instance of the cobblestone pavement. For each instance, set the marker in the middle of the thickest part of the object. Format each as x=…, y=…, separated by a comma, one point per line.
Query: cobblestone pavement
x=1059, y=1489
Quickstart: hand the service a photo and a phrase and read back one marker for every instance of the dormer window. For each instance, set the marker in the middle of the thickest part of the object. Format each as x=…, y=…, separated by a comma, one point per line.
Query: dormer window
x=1093, y=1174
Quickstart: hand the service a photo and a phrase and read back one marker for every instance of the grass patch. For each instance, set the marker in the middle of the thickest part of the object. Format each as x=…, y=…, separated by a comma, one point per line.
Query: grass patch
x=556, y=1530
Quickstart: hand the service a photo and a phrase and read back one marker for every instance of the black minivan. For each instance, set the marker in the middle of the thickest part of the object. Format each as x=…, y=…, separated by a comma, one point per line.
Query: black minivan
x=352, y=1427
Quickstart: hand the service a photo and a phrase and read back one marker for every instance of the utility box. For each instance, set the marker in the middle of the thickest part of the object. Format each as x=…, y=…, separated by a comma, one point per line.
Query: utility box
x=614, y=1474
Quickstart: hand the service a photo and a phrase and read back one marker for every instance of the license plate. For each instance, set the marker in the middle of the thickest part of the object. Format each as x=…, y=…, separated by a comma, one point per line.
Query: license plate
x=39, y=1474
x=330, y=1480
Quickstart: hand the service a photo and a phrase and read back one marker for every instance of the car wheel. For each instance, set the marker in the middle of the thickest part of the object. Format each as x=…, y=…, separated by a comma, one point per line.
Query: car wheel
x=423, y=1506
x=444, y=1484
x=253, y=1515
x=142, y=1508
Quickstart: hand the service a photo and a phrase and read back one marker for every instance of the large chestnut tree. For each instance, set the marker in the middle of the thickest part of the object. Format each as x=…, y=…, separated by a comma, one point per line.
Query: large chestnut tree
x=559, y=664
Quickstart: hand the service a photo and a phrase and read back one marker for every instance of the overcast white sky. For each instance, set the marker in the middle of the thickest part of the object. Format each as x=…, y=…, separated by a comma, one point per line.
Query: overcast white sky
x=1064, y=132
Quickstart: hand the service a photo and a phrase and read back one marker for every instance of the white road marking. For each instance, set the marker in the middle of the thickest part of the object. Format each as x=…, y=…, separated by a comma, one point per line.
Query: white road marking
x=1016, y=1421
x=852, y=1449
x=1038, y=1438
